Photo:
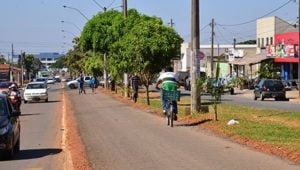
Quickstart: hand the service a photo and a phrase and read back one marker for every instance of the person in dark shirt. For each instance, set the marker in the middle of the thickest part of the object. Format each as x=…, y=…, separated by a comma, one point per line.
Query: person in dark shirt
x=81, y=85
x=135, y=80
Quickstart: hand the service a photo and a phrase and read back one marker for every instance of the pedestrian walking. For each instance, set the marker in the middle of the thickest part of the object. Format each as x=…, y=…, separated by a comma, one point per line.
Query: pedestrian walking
x=81, y=85
x=93, y=84
x=135, y=81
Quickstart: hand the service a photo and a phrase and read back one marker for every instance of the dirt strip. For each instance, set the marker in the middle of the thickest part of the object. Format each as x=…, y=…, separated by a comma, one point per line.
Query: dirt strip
x=75, y=154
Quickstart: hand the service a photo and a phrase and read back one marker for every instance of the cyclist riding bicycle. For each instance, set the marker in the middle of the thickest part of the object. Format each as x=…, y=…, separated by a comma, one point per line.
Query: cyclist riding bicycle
x=169, y=81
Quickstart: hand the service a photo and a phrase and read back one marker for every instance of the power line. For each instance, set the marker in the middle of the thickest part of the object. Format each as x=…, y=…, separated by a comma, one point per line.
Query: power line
x=222, y=36
x=246, y=37
x=111, y=3
x=98, y=4
x=253, y=20
x=203, y=28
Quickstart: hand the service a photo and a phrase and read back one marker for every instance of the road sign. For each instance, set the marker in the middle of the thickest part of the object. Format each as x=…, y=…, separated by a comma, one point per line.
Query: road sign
x=201, y=55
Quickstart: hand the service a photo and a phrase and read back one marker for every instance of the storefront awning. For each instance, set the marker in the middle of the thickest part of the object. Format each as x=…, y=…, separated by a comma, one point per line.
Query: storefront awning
x=286, y=60
x=249, y=60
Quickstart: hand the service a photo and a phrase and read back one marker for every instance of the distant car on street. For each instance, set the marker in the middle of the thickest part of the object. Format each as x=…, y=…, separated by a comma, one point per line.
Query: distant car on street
x=269, y=88
x=42, y=79
x=35, y=91
x=50, y=80
x=57, y=79
x=75, y=83
x=9, y=128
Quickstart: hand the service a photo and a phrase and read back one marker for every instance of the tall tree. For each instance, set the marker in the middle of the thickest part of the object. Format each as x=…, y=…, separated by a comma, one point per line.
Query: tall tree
x=32, y=65
x=148, y=48
x=2, y=59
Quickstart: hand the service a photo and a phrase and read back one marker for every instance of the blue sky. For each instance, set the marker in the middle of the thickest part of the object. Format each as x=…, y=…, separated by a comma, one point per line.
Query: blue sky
x=35, y=25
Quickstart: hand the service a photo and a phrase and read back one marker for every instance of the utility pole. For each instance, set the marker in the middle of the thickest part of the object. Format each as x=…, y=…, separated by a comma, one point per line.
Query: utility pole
x=171, y=23
x=12, y=53
x=125, y=8
x=22, y=67
x=212, y=47
x=234, y=43
x=126, y=83
x=299, y=46
x=195, y=44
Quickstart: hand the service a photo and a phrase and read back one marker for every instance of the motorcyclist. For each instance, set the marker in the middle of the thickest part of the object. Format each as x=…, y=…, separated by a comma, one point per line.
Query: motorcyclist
x=15, y=96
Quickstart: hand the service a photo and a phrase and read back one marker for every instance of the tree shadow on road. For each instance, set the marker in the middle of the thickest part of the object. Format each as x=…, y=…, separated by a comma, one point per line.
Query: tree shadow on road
x=30, y=114
x=194, y=123
x=36, y=153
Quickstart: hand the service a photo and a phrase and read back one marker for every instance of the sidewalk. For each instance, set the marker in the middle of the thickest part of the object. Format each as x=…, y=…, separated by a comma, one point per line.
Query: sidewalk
x=117, y=136
x=293, y=95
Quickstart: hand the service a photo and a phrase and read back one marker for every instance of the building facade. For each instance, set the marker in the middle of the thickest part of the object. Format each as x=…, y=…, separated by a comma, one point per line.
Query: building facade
x=224, y=53
x=267, y=28
x=48, y=59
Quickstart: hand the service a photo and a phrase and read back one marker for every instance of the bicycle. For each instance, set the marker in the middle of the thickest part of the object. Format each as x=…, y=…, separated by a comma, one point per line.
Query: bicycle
x=171, y=97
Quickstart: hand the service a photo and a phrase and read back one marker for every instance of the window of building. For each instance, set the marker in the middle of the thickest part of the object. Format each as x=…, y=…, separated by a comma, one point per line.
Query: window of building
x=258, y=42
x=43, y=59
x=267, y=41
x=262, y=43
x=271, y=40
x=49, y=59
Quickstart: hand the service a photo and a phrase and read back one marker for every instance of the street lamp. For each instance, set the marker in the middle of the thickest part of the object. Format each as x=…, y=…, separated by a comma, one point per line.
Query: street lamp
x=69, y=32
x=103, y=8
x=77, y=11
x=71, y=23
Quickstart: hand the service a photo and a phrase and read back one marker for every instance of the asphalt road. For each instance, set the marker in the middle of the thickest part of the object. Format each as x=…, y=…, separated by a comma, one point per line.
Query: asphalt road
x=240, y=100
x=117, y=136
x=40, y=136
x=268, y=103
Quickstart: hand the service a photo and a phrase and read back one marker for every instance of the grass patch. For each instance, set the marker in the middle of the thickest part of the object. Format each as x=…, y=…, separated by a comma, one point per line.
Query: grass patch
x=276, y=127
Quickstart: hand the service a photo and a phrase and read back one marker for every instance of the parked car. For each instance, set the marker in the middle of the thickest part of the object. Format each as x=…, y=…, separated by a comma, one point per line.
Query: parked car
x=42, y=79
x=182, y=77
x=36, y=91
x=75, y=83
x=50, y=80
x=269, y=88
x=57, y=79
x=9, y=128
x=4, y=86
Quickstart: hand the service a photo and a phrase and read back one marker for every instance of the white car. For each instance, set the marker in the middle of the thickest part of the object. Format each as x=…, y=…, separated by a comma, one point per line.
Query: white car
x=50, y=80
x=35, y=91
x=75, y=83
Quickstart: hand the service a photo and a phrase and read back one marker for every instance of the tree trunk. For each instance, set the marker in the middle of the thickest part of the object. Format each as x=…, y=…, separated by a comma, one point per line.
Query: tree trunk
x=147, y=92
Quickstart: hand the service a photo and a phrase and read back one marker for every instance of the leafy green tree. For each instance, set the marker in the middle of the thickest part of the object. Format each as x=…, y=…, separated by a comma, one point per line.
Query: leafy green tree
x=2, y=59
x=248, y=42
x=31, y=64
x=75, y=61
x=268, y=71
x=93, y=65
x=148, y=48
x=59, y=64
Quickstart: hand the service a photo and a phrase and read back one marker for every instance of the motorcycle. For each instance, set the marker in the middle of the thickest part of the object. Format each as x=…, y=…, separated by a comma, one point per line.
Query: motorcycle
x=15, y=100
